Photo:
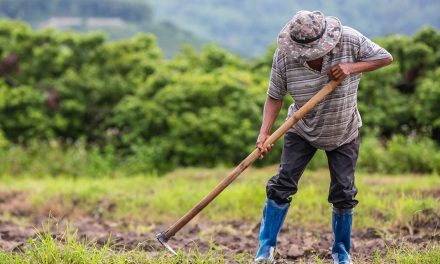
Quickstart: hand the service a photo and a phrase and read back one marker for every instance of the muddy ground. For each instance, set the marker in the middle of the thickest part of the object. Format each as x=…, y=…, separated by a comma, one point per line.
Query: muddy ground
x=235, y=237
x=231, y=237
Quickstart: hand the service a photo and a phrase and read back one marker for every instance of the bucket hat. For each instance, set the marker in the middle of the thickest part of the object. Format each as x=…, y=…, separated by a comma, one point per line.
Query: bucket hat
x=309, y=35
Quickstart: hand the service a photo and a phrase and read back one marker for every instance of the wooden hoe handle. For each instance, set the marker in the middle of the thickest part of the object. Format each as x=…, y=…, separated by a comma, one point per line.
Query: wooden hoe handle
x=254, y=155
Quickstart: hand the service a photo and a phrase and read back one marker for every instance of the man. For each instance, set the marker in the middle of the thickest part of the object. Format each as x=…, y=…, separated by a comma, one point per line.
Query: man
x=312, y=49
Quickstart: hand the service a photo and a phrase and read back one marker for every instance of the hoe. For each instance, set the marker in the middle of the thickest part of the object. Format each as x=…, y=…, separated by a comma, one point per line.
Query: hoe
x=164, y=236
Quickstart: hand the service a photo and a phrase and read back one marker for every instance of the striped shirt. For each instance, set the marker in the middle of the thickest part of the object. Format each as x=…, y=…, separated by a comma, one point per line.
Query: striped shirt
x=336, y=120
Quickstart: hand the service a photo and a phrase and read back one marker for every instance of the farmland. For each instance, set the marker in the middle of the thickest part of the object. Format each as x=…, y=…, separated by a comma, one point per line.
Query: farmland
x=114, y=220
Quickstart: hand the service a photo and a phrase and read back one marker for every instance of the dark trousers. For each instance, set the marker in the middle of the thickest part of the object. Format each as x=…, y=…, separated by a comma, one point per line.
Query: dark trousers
x=297, y=153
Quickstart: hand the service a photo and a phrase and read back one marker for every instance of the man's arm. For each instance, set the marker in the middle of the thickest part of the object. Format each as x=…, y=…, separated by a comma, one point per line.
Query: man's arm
x=271, y=111
x=341, y=71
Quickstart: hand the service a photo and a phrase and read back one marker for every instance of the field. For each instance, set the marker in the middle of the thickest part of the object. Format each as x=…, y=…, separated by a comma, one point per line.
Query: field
x=103, y=144
x=114, y=220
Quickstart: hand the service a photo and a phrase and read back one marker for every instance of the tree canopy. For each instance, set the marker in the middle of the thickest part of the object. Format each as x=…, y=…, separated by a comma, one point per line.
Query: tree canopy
x=198, y=108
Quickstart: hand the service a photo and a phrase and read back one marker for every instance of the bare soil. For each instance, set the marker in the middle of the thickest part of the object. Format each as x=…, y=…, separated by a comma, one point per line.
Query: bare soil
x=232, y=238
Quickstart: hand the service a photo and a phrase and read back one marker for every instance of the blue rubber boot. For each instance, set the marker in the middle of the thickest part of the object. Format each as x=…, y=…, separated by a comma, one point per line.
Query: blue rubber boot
x=273, y=218
x=341, y=222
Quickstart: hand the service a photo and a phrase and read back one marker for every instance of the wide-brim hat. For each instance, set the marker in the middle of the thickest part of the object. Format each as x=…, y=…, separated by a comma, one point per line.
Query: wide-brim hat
x=309, y=35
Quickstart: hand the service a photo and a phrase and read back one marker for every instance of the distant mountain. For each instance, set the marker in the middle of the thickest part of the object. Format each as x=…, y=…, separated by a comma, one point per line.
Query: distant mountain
x=247, y=27
x=118, y=18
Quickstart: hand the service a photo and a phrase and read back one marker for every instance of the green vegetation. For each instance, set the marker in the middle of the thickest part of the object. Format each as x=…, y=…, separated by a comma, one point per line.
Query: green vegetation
x=46, y=250
x=143, y=199
x=407, y=256
x=386, y=202
x=399, y=155
x=245, y=27
x=83, y=106
x=135, y=15
x=96, y=130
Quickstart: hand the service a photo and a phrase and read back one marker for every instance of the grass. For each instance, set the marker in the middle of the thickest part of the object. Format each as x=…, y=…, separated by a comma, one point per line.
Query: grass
x=384, y=200
x=65, y=249
x=46, y=249
x=430, y=255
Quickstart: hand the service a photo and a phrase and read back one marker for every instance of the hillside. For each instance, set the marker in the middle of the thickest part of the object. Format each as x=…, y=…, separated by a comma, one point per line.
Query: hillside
x=244, y=27
x=119, y=19
x=248, y=27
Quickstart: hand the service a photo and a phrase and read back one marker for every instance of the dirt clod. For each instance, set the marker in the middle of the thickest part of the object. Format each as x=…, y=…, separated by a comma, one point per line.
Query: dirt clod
x=294, y=243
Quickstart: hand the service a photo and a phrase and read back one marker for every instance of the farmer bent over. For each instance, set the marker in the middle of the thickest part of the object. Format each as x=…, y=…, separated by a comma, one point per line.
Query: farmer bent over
x=312, y=49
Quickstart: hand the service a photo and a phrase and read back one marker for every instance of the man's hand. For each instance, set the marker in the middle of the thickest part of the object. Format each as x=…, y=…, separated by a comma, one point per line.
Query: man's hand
x=260, y=141
x=340, y=72
x=271, y=110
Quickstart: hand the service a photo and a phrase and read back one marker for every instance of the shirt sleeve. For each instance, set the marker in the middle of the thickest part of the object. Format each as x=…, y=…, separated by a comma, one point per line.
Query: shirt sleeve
x=277, y=83
x=368, y=50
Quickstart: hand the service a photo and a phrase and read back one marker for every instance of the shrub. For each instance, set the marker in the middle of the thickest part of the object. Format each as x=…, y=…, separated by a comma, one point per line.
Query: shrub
x=399, y=155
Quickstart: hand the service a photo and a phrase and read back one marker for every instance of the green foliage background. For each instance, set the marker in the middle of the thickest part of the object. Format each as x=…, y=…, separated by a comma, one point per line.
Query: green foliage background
x=76, y=103
x=244, y=27
x=136, y=14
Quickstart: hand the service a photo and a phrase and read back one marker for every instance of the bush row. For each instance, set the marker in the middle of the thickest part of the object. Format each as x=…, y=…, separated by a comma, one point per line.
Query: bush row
x=125, y=104
x=401, y=154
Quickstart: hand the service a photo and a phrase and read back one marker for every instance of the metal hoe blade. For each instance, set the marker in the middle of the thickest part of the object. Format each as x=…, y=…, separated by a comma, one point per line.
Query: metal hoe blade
x=163, y=239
